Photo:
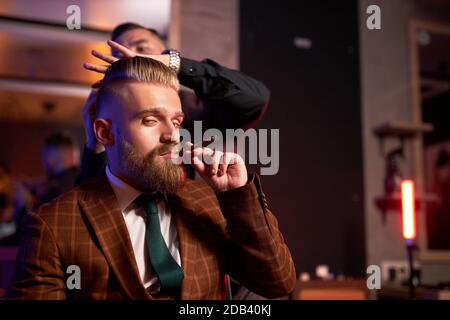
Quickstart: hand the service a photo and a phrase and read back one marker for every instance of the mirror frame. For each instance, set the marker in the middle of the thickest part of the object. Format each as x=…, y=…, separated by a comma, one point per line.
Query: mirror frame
x=415, y=25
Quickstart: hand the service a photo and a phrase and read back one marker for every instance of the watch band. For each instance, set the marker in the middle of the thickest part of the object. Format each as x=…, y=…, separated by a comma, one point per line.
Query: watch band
x=174, y=59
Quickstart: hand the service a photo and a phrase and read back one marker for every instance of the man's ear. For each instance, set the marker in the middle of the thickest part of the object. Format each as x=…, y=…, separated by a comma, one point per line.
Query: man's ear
x=103, y=132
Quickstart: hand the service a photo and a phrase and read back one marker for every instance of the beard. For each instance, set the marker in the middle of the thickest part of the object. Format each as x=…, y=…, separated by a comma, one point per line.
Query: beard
x=150, y=172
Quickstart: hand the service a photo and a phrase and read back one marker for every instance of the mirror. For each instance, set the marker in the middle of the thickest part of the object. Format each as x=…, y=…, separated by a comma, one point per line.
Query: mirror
x=431, y=101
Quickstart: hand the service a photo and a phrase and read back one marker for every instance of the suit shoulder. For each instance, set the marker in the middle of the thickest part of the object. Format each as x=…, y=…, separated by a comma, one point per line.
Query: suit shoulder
x=65, y=204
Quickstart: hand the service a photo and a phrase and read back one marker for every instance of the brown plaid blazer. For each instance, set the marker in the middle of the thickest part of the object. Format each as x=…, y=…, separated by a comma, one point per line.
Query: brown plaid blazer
x=232, y=232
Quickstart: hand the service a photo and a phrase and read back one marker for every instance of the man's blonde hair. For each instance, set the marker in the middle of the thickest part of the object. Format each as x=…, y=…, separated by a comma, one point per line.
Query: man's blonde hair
x=135, y=69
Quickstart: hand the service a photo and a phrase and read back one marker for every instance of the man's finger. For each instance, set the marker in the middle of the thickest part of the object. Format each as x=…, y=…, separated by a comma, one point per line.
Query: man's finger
x=95, y=67
x=216, y=159
x=207, y=153
x=127, y=53
x=227, y=159
x=197, y=162
x=104, y=57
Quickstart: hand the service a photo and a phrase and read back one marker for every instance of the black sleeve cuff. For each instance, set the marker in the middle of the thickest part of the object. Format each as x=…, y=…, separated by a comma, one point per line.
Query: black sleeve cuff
x=191, y=68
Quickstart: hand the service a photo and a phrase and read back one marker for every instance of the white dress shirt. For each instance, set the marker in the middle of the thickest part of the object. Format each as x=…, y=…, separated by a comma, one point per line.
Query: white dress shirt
x=135, y=221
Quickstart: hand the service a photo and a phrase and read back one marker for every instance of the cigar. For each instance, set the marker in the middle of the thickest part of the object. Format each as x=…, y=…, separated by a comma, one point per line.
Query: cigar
x=204, y=144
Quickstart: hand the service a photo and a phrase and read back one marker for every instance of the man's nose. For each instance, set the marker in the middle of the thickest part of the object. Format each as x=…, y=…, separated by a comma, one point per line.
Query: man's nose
x=170, y=134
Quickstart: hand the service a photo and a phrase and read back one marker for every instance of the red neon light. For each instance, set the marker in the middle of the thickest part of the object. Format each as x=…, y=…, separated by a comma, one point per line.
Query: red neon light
x=408, y=209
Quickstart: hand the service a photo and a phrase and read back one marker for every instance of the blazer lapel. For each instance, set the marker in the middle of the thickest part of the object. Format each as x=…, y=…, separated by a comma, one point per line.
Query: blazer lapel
x=182, y=211
x=102, y=210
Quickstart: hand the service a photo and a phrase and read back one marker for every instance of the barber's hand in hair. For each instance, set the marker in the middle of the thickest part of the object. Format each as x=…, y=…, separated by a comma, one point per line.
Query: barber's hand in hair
x=221, y=170
x=124, y=52
x=88, y=119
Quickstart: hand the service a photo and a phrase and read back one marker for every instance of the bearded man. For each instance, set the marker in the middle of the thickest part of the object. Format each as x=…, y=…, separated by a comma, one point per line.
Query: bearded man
x=141, y=229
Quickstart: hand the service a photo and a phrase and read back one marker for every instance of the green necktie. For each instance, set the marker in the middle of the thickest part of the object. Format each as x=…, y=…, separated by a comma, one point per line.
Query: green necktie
x=169, y=273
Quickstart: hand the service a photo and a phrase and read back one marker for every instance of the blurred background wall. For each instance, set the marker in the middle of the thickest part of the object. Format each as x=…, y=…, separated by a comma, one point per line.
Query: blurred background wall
x=307, y=54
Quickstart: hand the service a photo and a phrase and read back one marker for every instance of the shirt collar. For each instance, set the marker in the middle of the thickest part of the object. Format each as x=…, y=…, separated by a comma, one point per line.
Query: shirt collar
x=125, y=193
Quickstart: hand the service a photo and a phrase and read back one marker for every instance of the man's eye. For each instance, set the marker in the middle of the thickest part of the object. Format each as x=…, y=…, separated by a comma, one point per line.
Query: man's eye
x=176, y=124
x=142, y=49
x=149, y=122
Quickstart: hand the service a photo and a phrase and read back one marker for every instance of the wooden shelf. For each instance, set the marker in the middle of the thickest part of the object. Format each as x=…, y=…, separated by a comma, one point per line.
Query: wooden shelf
x=402, y=129
x=349, y=289
x=389, y=292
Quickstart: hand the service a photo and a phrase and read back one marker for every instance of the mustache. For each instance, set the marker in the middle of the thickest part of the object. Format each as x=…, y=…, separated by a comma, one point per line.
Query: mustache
x=161, y=149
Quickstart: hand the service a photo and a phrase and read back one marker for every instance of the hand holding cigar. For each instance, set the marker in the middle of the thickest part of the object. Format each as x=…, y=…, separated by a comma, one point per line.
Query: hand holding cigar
x=221, y=170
